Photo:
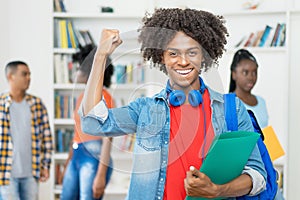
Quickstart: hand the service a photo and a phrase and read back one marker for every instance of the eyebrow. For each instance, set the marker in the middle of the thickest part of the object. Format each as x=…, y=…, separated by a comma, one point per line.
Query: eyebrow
x=25, y=72
x=174, y=49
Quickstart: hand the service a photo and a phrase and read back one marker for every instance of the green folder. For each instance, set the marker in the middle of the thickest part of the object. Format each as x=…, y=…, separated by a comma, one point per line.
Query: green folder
x=227, y=157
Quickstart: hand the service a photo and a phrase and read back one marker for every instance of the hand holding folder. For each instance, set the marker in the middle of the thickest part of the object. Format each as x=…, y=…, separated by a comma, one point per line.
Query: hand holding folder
x=227, y=157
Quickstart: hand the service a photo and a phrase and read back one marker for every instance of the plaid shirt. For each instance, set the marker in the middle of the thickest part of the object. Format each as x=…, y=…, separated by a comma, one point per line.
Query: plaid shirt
x=42, y=145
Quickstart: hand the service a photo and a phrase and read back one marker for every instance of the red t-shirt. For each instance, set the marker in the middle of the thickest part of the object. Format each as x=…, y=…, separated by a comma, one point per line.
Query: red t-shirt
x=188, y=144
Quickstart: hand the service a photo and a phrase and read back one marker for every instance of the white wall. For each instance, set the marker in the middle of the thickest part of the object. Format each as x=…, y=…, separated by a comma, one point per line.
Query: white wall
x=29, y=34
x=293, y=175
x=26, y=35
x=4, y=48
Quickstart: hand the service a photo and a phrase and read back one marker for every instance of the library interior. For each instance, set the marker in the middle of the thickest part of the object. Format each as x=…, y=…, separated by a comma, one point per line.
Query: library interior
x=48, y=35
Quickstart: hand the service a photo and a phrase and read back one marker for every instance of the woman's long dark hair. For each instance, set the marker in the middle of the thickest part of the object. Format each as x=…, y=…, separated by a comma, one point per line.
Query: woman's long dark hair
x=86, y=57
x=240, y=55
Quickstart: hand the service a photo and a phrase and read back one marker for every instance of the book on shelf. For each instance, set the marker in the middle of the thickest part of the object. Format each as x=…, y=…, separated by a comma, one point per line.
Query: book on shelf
x=69, y=35
x=64, y=34
x=61, y=68
x=129, y=73
x=279, y=35
x=275, y=36
x=72, y=41
x=280, y=178
x=81, y=41
x=87, y=37
x=61, y=74
x=63, y=139
x=59, y=141
x=59, y=169
x=64, y=105
x=64, y=68
x=268, y=37
x=257, y=38
x=56, y=33
x=138, y=73
x=283, y=35
x=240, y=43
x=280, y=40
x=120, y=73
x=249, y=41
x=265, y=36
x=59, y=6
x=62, y=5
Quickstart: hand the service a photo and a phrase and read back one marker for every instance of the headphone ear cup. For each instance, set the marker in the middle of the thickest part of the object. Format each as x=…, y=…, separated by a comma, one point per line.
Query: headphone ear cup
x=195, y=98
x=176, y=98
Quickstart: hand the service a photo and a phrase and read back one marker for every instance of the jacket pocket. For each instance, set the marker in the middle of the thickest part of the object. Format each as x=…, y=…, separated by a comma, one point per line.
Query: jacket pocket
x=150, y=129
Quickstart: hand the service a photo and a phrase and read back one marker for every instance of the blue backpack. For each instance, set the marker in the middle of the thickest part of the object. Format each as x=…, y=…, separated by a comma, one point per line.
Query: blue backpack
x=232, y=125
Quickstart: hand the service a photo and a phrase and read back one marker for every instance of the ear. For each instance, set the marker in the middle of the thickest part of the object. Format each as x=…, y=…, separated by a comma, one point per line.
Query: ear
x=162, y=59
x=9, y=76
x=233, y=75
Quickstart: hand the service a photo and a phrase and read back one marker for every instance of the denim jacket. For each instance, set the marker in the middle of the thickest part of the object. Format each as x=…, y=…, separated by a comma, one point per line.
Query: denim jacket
x=149, y=118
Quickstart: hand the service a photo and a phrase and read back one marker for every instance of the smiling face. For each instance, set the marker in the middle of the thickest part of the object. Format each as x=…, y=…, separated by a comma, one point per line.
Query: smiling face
x=182, y=58
x=245, y=75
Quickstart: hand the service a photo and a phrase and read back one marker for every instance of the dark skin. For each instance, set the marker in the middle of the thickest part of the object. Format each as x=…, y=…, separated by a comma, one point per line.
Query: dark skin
x=245, y=76
x=198, y=184
x=182, y=60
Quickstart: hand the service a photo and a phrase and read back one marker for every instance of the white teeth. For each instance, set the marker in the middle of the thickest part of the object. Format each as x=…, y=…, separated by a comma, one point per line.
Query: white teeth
x=186, y=71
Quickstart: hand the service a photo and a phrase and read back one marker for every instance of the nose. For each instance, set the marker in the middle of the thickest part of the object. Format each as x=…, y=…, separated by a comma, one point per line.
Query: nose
x=252, y=75
x=183, y=60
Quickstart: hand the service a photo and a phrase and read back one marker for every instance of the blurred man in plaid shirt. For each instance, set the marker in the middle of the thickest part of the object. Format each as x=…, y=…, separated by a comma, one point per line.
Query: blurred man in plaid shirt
x=25, y=137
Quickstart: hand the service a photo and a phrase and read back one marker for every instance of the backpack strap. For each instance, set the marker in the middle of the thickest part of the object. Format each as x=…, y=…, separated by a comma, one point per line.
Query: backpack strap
x=255, y=124
x=230, y=111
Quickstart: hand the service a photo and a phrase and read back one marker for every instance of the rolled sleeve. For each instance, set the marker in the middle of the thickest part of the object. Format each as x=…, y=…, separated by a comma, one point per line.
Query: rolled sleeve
x=100, y=111
x=258, y=181
x=92, y=122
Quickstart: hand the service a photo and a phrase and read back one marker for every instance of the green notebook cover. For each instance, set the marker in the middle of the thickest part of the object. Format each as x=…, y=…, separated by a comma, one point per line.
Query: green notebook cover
x=227, y=156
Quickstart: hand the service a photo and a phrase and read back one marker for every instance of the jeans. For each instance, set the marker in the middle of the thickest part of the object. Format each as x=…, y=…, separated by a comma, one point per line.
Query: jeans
x=4, y=192
x=20, y=189
x=81, y=171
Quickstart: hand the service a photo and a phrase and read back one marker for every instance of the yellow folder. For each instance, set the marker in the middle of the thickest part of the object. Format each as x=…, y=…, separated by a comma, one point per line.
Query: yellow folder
x=227, y=157
x=272, y=143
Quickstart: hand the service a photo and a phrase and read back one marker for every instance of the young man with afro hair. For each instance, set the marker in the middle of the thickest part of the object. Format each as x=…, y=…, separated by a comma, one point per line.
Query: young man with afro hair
x=175, y=127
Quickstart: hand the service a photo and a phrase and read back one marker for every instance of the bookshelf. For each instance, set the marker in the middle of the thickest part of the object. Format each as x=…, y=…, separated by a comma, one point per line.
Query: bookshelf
x=128, y=80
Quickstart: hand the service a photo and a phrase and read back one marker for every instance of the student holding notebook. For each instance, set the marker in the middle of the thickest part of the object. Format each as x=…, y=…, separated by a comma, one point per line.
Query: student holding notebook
x=174, y=128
